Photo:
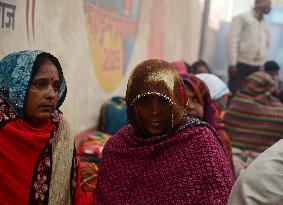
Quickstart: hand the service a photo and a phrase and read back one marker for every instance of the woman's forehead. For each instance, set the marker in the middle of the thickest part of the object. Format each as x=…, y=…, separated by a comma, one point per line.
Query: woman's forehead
x=151, y=96
x=189, y=86
x=48, y=67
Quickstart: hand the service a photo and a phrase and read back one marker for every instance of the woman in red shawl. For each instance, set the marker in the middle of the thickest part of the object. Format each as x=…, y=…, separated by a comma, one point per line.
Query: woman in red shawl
x=38, y=162
x=160, y=158
x=200, y=105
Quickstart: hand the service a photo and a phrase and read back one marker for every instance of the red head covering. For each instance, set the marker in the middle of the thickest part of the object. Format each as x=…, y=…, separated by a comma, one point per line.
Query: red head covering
x=203, y=95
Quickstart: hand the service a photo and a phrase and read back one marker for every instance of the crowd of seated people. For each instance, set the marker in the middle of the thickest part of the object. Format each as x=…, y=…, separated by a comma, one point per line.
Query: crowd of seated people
x=175, y=137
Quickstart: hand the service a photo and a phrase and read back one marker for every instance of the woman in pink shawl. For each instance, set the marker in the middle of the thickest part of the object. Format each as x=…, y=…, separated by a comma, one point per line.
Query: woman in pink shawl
x=201, y=106
x=161, y=158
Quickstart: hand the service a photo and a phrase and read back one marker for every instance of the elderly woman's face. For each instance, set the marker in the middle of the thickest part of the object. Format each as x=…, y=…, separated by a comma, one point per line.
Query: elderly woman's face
x=154, y=114
x=43, y=93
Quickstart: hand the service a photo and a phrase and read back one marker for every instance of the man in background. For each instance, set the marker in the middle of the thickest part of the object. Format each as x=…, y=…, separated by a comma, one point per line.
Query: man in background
x=247, y=43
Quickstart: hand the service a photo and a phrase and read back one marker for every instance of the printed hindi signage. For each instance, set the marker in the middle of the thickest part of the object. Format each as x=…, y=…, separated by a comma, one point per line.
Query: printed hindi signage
x=7, y=15
x=111, y=28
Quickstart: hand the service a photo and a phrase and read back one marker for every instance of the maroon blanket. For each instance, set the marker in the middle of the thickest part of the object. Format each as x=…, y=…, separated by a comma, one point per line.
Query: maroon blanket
x=188, y=167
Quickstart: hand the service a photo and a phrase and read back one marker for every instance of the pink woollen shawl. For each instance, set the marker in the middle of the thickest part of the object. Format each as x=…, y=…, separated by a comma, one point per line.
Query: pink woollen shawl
x=188, y=165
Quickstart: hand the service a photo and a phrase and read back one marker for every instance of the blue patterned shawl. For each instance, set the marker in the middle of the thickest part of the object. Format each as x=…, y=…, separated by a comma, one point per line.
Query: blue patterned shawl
x=16, y=71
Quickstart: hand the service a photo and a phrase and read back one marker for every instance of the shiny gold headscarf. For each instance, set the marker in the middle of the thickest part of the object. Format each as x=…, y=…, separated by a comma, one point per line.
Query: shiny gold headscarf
x=156, y=77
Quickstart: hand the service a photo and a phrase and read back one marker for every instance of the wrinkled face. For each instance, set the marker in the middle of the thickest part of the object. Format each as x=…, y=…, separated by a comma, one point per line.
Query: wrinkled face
x=194, y=108
x=43, y=93
x=154, y=114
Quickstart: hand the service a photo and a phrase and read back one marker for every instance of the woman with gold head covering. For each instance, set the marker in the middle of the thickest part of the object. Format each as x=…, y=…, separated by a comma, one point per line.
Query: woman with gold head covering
x=160, y=158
